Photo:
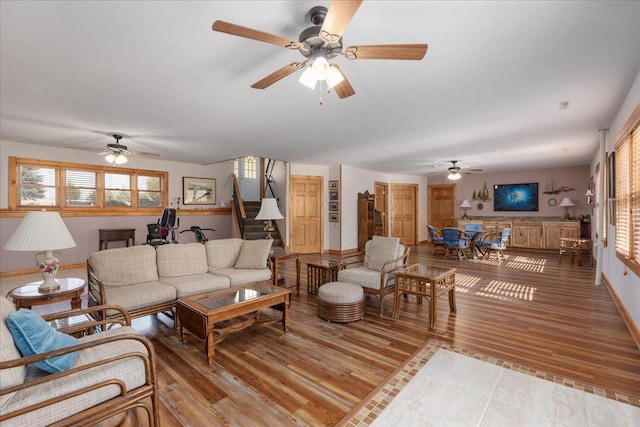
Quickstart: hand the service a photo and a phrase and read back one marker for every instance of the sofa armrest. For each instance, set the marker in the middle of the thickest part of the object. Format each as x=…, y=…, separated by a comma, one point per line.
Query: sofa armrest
x=96, y=294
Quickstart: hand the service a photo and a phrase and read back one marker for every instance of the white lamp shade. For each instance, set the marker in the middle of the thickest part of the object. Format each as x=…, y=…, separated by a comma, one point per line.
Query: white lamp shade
x=465, y=204
x=40, y=231
x=269, y=210
x=566, y=202
x=308, y=78
x=454, y=176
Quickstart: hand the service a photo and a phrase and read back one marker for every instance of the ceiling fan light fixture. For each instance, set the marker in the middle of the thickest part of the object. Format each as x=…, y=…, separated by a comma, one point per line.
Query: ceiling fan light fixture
x=116, y=158
x=334, y=77
x=321, y=67
x=308, y=78
x=454, y=176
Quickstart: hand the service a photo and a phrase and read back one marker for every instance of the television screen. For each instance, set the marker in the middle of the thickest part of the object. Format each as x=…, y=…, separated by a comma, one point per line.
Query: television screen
x=515, y=197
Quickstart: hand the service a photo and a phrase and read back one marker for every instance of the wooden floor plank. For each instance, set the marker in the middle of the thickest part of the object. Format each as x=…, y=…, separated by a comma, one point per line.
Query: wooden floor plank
x=529, y=310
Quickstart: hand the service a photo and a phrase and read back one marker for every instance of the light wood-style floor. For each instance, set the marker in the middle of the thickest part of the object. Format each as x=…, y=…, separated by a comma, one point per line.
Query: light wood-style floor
x=528, y=309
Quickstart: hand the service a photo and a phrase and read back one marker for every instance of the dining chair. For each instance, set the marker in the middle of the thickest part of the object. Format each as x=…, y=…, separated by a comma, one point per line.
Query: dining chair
x=436, y=238
x=474, y=232
x=496, y=242
x=456, y=240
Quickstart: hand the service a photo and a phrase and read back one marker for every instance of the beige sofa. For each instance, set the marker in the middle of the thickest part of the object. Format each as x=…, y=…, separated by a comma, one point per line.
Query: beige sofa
x=146, y=279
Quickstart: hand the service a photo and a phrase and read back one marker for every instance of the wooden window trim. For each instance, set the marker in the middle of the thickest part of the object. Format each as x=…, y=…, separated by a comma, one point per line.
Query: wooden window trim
x=100, y=209
x=625, y=136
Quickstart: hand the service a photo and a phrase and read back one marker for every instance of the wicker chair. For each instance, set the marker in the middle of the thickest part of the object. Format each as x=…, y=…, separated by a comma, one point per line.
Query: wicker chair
x=456, y=240
x=114, y=371
x=374, y=268
x=436, y=238
x=495, y=242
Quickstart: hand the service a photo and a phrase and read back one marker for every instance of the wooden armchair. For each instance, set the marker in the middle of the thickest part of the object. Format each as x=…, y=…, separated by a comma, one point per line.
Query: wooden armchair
x=374, y=268
x=436, y=238
x=456, y=240
x=114, y=371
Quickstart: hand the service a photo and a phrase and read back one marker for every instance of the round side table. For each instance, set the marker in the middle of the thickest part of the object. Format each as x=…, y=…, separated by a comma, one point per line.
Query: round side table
x=28, y=295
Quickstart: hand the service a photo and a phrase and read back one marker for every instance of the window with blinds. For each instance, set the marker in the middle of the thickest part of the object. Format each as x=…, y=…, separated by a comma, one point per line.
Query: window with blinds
x=73, y=186
x=627, y=181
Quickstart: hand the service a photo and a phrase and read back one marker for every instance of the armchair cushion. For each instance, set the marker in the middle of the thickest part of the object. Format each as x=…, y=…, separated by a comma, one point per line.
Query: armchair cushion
x=380, y=250
x=32, y=335
x=253, y=254
x=365, y=277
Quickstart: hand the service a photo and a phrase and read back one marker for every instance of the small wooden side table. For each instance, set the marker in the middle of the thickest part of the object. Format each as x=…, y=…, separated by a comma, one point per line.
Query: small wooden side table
x=28, y=295
x=321, y=272
x=116, y=234
x=428, y=282
x=281, y=255
x=575, y=248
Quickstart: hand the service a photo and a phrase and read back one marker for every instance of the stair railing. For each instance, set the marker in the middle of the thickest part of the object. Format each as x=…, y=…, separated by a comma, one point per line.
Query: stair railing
x=238, y=207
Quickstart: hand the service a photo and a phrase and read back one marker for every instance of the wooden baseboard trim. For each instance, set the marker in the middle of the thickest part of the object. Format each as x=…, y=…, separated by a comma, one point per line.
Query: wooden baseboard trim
x=628, y=320
x=35, y=270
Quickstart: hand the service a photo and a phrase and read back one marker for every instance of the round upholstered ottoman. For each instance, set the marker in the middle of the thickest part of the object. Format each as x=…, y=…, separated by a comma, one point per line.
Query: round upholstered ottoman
x=340, y=302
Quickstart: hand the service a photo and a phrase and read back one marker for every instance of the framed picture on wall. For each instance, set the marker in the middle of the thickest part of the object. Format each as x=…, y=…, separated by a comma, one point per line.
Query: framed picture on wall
x=198, y=191
x=334, y=217
x=334, y=206
x=333, y=185
x=333, y=195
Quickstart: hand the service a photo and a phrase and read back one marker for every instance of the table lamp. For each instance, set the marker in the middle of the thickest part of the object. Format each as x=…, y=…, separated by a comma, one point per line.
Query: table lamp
x=46, y=233
x=465, y=205
x=566, y=203
x=268, y=212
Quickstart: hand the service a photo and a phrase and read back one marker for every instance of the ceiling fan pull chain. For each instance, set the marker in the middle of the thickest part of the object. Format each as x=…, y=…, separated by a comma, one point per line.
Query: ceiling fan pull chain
x=320, y=86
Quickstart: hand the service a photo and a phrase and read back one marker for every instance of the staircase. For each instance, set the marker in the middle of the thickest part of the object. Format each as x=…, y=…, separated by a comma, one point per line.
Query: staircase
x=254, y=229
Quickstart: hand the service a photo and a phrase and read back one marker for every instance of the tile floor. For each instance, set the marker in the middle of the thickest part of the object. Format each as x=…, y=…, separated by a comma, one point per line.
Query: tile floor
x=457, y=390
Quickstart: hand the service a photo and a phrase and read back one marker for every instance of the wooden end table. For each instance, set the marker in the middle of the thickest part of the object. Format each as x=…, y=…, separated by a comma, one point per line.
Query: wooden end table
x=321, y=272
x=428, y=282
x=28, y=295
x=107, y=235
x=199, y=313
x=281, y=255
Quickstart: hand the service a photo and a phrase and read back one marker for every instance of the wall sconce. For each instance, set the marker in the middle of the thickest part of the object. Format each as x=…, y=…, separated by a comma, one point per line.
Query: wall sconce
x=589, y=195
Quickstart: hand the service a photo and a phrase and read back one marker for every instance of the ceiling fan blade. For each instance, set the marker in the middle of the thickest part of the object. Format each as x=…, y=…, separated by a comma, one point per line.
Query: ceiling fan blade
x=237, y=30
x=338, y=17
x=143, y=154
x=343, y=89
x=274, y=77
x=387, y=51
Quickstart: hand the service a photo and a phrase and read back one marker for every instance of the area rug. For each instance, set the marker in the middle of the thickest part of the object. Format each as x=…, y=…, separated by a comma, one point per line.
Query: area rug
x=410, y=407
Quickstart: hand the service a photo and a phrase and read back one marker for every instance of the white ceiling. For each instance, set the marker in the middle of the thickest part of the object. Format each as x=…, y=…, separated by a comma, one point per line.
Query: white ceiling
x=487, y=93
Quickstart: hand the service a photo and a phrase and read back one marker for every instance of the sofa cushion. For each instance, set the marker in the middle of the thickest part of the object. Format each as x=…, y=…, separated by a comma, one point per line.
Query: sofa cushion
x=222, y=253
x=32, y=335
x=8, y=351
x=125, y=266
x=181, y=260
x=254, y=254
x=130, y=370
x=238, y=276
x=141, y=295
x=379, y=250
x=196, y=283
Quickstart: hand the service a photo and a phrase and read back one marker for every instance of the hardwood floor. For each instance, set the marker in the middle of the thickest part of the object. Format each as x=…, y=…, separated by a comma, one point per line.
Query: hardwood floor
x=528, y=309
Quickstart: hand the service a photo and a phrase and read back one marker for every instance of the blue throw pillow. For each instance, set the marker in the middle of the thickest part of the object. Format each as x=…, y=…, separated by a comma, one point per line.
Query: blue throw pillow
x=32, y=335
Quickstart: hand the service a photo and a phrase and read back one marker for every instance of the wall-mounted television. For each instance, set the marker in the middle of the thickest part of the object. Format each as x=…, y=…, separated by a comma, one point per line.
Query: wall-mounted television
x=515, y=197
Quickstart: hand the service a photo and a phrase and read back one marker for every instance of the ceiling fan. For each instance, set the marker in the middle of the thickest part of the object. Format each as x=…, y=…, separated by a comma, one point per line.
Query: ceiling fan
x=117, y=153
x=322, y=42
x=455, y=171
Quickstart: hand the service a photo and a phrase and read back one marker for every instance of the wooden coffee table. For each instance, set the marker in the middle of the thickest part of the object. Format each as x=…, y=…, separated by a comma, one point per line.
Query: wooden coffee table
x=199, y=313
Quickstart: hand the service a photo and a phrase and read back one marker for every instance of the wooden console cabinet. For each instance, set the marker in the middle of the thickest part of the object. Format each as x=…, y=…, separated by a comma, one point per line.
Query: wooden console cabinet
x=530, y=234
x=526, y=234
x=554, y=231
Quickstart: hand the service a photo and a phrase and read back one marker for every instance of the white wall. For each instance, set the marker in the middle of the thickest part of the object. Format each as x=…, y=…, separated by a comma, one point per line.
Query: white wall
x=624, y=281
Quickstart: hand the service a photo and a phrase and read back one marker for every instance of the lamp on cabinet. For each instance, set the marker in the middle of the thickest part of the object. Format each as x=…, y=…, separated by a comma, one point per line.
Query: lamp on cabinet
x=465, y=205
x=566, y=203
